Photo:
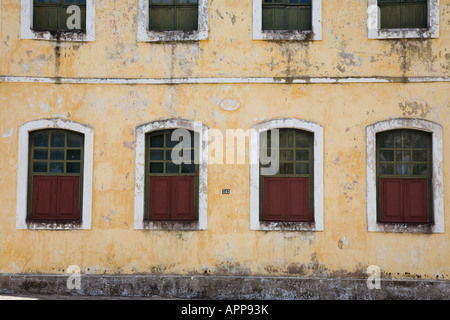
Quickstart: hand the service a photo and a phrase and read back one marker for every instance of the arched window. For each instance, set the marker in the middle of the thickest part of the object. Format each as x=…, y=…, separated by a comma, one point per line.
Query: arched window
x=286, y=176
x=55, y=175
x=54, y=187
x=171, y=186
x=404, y=174
x=288, y=193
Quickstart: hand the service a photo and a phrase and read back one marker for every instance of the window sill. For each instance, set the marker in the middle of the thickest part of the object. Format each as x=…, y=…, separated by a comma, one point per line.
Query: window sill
x=54, y=225
x=57, y=35
x=404, y=227
x=176, y=35
x=286, y=226
x=171, y=225
x=286, y=35
x=406, y=33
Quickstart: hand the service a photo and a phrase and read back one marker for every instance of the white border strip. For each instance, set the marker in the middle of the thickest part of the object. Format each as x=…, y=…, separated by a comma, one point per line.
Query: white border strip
x=374, y=32
x=315, y=34
x=139, y=197
x=255, y=223
x=145, y=35
x=245, y=80
x=27, y=32
x=22, y=179
x=437, y=169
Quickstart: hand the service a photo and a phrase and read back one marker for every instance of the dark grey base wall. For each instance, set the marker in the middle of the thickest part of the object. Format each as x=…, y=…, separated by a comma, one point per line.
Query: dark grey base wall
x=224, y=287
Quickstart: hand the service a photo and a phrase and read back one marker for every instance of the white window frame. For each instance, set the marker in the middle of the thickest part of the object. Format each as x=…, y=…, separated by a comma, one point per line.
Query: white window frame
x=27, y=32
x=146, y=35
x=374, y=31
x=22, y=180
x=317, y=130
x=314, y=34
x=437, y=176
x=139, y=195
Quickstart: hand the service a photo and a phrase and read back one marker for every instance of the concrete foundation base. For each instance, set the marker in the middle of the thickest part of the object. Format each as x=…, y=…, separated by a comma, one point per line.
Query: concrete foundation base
x=222, y=287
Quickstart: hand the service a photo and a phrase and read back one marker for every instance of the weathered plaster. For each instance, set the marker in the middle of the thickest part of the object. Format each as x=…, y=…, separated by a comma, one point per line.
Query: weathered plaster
x=22, y=179
x=437, y=179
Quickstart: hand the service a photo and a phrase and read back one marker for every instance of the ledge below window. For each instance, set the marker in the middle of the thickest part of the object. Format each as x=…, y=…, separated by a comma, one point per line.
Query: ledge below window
x=54, y=225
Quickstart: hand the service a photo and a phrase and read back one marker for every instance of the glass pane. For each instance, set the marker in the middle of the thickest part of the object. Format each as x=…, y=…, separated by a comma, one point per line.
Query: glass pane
x=73, y=154
x=387, y=155
x=301, y=140
x=58, y=139
x=39, y=166
x=169, y=142
x=403, y=169
x=187, y=168
x=420, y=169
x=156, y=154
x=420, y=155
x=286, y=155
x=386, y=168
x=157, y=141
x=403, y=156
x=73, y=167
x=301, y=168
x=286, y=139
x=74, y=140
x=286, y=168
x=41, y=140
x=402, y=140
x=387, y=140
x=57, y=167
x=40, y=154
x=157, y=167
x=172, y=167
x=302, y=155
x=419, y=140
x=57, y=155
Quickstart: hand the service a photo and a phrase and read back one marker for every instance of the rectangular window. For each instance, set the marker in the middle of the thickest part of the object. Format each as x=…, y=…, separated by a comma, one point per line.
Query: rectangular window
x=404, y=176
x=396, y=14
x=286, y=15
x=288, y=195
x=168, y=15
x=59, y=15
x=55, y=175
x=172, y=187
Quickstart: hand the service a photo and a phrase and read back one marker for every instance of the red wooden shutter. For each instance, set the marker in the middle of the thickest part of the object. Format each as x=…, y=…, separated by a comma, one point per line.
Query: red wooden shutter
x=416, y=200
x=297, y=201
x=43, y=201
x=183, y=198
x=160, y=198
x=391, y=200
x=274, y=199
x=67, y=198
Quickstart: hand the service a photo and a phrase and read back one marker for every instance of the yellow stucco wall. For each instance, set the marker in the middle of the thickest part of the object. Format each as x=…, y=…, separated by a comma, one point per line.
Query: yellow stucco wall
x=344, y=248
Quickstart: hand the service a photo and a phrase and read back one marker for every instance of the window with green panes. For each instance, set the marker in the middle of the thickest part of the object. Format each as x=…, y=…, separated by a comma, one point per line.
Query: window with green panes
x=55, y=175
x=170, y=15
x=286, y=15
x=288, y=194
x=52, y=15
x=404, y=176
x=395, y=14
x=171, y=187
